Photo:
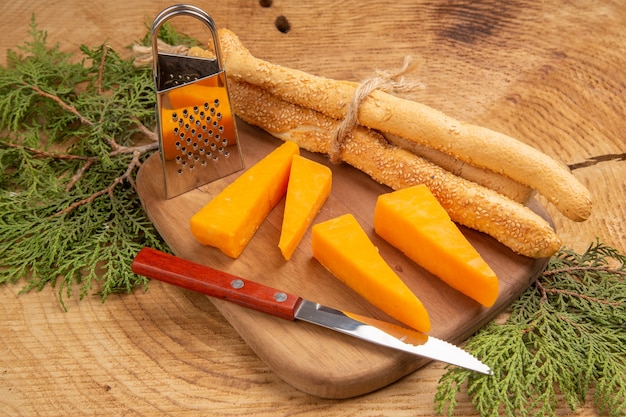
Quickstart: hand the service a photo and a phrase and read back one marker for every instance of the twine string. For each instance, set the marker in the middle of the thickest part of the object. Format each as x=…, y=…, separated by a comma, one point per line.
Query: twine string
x=387, y=81
x=143, y=54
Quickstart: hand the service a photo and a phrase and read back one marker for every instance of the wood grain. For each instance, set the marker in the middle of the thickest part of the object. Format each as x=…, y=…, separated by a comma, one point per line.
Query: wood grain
x=549, y=73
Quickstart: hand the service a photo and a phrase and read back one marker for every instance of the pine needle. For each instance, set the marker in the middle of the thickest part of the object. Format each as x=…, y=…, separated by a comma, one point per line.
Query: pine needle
x=72, y=138
x=565, y=337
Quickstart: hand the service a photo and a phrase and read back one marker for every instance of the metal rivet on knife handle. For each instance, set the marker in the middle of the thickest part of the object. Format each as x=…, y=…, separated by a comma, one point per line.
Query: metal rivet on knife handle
x=280, y=297
x=237, y=284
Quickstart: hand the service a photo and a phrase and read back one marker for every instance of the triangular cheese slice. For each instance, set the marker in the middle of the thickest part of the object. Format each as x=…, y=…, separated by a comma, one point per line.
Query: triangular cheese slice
x=412, y=220
x=231, y=218
x=343, y=247
x=308, y=189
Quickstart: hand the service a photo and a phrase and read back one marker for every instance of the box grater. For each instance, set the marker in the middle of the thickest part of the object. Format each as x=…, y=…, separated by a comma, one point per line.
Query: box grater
x=198, y=139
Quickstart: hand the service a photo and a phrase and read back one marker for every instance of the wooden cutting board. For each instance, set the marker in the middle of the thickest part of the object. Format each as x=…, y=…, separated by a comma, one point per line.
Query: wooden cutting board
x=315, y=360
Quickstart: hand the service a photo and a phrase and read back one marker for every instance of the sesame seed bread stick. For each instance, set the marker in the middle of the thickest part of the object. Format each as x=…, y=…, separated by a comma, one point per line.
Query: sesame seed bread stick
x=467, y=203
x=500, y=183
x=417, y=122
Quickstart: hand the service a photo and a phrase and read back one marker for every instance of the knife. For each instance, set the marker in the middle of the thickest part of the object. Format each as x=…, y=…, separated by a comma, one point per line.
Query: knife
x=171, y=269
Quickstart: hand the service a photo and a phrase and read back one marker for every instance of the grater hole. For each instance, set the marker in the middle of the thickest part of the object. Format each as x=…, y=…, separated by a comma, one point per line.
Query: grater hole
x=198, y=136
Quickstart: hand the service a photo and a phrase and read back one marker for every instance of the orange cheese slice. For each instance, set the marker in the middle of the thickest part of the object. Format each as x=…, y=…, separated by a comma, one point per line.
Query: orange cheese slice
x=412, y=220
x=343, y=247
x=308, y=189
x=231, y=218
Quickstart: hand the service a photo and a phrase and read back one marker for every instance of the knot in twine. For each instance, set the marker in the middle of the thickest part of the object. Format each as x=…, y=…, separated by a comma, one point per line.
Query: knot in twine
x=387, y=81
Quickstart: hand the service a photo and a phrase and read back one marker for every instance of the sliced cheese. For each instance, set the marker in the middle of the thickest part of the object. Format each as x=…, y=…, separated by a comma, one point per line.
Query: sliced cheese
x=308, y=189
x=412, y=220
x=231, y=218
x=343, y=247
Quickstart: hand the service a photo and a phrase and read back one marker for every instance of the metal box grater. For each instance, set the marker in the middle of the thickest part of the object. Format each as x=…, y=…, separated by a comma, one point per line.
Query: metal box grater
x=198, y=139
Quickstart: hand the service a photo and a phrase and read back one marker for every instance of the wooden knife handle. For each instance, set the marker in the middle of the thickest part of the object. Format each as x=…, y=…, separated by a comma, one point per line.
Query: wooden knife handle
x=168, y=268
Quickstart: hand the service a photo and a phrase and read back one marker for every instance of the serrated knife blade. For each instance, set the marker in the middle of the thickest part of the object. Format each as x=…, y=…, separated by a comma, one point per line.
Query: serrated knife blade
x=196, y=277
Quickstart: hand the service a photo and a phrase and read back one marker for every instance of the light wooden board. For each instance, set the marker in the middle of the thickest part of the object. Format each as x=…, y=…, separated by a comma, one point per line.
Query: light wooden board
x=312, y=359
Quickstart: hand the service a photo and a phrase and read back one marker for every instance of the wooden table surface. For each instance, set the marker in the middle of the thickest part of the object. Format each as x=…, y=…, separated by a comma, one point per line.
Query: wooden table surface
x=550, y=73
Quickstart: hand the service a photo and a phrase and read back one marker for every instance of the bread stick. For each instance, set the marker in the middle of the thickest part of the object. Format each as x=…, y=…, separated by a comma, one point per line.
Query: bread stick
x=417, y=122
x=467, y=203
x=499, y=183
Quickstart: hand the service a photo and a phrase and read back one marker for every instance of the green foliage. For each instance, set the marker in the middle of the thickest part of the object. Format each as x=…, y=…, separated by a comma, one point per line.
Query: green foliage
x=170, y=36
x=564, y=337
x=69, y=213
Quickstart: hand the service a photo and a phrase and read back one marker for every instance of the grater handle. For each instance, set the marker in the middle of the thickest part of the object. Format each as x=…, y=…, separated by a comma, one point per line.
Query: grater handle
x=187, y=10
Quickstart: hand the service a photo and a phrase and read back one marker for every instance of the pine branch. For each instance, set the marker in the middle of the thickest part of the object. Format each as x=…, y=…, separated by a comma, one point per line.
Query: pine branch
x=127, y=176
x=67, y=130
x=47, y=154
x=565, y=336
x=64, y=106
